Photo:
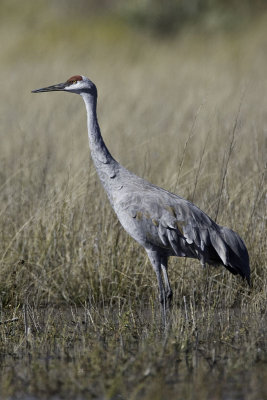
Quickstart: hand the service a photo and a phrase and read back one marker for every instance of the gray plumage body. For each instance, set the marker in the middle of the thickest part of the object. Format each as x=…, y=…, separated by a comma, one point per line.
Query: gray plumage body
x=162, y=222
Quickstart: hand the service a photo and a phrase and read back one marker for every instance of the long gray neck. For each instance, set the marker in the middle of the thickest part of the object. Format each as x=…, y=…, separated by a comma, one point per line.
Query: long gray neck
x=105, y=164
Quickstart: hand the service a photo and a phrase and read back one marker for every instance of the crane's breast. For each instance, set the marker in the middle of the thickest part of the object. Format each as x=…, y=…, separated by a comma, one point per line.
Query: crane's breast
x=150, y=222
x=139, y=224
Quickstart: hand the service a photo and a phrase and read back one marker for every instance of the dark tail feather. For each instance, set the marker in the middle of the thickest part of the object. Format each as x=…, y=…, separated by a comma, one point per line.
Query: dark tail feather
x=232, y=251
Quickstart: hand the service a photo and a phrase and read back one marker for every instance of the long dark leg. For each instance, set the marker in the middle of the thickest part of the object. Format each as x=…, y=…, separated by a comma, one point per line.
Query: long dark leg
x=168, y=289
x=155, y=260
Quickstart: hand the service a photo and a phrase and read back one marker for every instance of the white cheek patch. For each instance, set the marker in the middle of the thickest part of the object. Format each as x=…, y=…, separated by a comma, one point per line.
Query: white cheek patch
x=73, y=87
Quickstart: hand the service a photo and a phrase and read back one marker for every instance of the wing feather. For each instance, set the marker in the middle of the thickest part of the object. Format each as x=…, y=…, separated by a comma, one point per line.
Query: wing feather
x=179, y=226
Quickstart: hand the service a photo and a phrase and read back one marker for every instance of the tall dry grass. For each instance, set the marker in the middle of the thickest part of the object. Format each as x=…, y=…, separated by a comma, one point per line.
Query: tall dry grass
x=191, y=124
x=189, y=115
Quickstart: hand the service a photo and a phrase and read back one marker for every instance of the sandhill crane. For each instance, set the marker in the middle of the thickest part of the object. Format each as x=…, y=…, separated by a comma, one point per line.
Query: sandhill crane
x=162, y=222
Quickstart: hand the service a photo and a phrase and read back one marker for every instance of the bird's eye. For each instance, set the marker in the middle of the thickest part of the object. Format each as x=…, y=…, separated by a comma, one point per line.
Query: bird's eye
x=74, y=82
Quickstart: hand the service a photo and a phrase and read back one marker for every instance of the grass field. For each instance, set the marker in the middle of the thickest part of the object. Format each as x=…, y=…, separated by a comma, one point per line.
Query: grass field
x=78, y=297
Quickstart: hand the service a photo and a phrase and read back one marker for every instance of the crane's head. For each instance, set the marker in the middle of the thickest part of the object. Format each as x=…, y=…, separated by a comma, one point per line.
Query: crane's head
x=75, y=84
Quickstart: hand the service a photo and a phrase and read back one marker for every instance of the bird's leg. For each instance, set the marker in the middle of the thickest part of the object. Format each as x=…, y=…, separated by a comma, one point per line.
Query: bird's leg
x=203, y=264
x=168, y=289
x=155, y=260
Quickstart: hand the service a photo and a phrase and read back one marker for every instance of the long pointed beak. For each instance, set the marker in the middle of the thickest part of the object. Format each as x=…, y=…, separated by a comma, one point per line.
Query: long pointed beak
x=53, y=88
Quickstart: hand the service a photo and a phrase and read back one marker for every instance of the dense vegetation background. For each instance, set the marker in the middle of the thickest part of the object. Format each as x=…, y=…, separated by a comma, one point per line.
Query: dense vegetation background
x=182, y=102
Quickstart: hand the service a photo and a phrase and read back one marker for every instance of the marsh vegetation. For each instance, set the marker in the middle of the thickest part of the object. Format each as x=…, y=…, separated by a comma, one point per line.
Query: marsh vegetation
x=79, y=313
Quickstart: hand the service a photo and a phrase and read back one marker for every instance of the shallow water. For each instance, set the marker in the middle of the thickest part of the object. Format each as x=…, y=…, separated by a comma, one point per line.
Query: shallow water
x=122, y=353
